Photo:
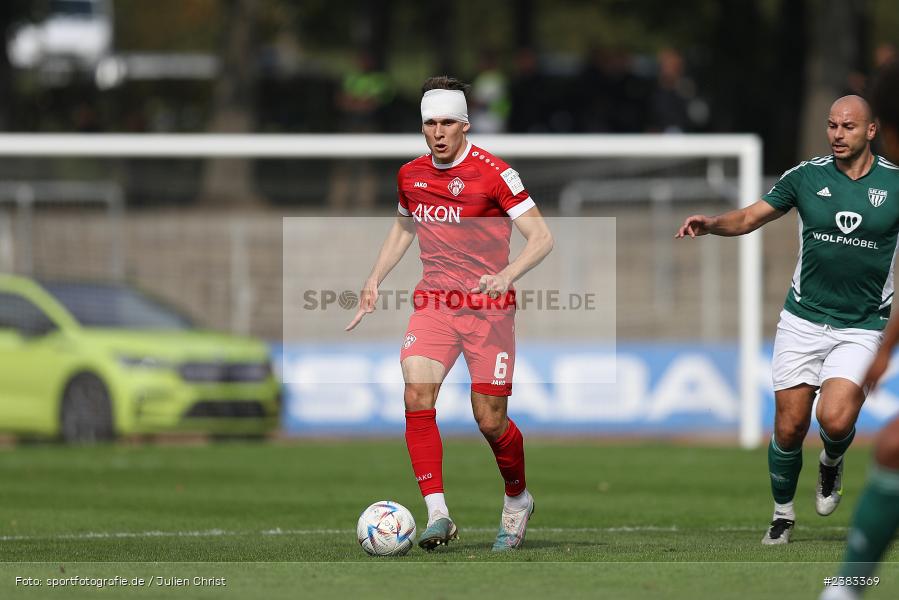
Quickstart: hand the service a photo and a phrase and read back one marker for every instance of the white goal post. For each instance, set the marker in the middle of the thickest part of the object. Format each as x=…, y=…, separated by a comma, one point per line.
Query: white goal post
x=746, y=149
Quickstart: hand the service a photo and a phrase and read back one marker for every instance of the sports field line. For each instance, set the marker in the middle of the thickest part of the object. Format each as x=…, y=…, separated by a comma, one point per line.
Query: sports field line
x=105, y=535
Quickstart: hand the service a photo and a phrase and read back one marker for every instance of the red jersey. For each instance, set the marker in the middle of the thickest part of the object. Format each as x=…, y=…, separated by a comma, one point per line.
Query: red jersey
x=463, y=214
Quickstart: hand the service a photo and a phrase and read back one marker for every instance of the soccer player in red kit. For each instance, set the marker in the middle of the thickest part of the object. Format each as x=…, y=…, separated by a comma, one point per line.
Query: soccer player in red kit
x=461, y=202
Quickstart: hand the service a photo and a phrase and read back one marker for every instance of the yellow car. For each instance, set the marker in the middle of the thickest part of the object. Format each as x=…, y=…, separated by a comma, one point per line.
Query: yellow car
x=90, y=361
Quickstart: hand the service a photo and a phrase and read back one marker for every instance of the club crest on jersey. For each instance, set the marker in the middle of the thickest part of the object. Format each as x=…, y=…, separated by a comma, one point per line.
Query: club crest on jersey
x=410, y=339
x=456, y=186
x=877, y=197
x=848, y=221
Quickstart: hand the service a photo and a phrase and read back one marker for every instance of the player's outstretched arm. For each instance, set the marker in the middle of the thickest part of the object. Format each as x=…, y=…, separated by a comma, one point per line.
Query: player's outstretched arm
x=877, y=368
x=392, y=250
x=882, y=359
x=539, y=243
x=735, y=222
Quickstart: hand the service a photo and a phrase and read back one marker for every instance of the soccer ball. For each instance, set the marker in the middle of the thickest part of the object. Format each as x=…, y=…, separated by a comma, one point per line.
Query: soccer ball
x=386, y=529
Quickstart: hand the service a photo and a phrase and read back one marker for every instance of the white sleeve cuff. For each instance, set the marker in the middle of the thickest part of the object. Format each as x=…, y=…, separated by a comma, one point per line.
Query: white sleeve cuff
x=521, y=208
x=402, y=210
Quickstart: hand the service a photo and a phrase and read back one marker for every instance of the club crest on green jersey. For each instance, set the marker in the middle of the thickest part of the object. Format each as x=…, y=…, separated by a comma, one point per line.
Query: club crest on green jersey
x=877, y=197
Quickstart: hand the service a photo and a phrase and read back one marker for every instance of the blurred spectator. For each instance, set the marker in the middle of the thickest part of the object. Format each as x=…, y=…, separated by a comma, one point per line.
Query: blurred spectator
x=857, y=81
x=527, y=112
x=615, y=96
x=490, y=96
x=595, y=98
x=885, y=54
x=84, y=119
x=364, y=93
x=629, y=94
x=362, y=98
x=673, y=105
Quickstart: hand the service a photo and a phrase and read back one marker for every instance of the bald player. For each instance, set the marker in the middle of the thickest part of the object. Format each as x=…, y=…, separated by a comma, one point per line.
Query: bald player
x=838, y=302
x=876, y=516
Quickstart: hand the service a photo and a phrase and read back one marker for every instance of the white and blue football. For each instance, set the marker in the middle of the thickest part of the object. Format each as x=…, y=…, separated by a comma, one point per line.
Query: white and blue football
x=386, y=529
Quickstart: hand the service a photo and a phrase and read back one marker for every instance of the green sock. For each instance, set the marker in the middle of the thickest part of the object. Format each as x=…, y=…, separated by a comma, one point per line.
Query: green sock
x=784, y=467
x=836, y=449
x=875, y=521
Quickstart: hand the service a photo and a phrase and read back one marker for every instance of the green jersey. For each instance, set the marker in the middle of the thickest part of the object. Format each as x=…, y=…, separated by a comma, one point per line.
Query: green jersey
x=847, y=241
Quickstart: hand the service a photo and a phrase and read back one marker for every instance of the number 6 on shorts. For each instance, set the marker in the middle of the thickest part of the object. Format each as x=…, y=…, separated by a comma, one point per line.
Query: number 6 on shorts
x=499, y=372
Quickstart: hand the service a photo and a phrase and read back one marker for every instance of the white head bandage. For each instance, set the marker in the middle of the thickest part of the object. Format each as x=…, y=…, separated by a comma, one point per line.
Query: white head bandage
x=444, y=104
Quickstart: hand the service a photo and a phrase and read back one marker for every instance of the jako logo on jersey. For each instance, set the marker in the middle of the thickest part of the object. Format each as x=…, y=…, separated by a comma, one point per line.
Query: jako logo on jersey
x=425, y=477
x=848, y=221
x=421, y=184
x=441, y=214
x=499, y=382
x=456, y=186
x=410, y=339
x=877, y=197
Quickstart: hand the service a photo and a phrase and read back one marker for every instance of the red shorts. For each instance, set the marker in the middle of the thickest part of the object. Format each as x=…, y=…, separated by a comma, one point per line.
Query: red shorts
x=488, y=343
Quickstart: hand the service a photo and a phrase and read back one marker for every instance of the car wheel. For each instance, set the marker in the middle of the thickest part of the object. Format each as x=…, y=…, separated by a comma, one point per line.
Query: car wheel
x=86, y=412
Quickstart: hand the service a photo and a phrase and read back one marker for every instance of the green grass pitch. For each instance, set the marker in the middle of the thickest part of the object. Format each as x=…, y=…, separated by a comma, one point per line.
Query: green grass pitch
x=278, y=521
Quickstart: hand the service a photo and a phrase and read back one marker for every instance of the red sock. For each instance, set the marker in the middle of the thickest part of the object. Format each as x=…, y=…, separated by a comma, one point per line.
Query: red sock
x=509, y=452
x=425, y=450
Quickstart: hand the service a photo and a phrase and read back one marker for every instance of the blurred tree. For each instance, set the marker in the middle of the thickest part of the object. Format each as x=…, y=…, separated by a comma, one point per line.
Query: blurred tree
x=379, y=15
x=524, y=24
x=788, y=82
x=738, y=87
x=884, y=22
x=170, y=26
x=11, y=12
x=769, y=66
x=229, y=181
x=443, y=37
x=836, y=47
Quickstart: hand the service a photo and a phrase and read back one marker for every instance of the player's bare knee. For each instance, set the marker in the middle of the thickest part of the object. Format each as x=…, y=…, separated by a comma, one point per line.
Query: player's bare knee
x=789, y=435
x=790, y=428
x=492, y=426
x=420, y=396
x=836, y=422
x=838, y=429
